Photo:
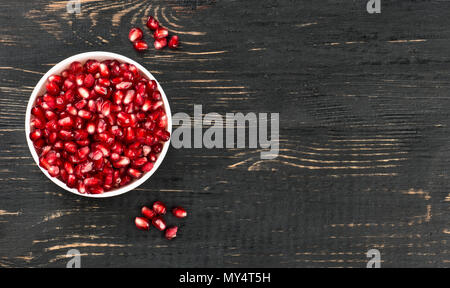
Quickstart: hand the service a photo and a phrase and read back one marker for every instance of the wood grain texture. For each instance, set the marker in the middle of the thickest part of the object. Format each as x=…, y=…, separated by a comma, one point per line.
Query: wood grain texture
x=364, y=143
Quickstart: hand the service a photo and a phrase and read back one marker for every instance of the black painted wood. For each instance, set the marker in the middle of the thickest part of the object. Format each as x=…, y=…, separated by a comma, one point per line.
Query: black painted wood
x=364, y=135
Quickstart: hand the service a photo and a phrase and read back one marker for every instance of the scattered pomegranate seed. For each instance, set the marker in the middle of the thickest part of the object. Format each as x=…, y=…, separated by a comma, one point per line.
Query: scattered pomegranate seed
x=135, y=34
x=173, y=43
x=159, y=223
x=140, y=45
x=161, y=33
x=159, y=208
x=142, y=223
x=99, y=125
x=179, y=212
x=160, y=43
x=152, y=23
x=148, y=213
x=171, y=232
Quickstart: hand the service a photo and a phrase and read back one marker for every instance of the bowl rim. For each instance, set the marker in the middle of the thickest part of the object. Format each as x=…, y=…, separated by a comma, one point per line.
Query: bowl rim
x=82, y=57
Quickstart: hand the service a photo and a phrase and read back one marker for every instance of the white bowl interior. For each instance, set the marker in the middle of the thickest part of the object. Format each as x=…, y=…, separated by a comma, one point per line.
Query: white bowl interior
x=100, y=56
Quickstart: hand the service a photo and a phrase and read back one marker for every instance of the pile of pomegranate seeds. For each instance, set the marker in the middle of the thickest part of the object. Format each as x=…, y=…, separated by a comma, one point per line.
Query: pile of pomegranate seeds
x=155, y=216
x=99, y=125
x=160, y=35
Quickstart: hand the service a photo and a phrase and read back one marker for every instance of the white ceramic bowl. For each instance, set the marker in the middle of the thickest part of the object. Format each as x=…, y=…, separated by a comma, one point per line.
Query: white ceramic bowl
x=57, y=69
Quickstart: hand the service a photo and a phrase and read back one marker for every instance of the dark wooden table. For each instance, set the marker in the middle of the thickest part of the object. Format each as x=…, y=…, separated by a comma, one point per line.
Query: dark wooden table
x=364, y=135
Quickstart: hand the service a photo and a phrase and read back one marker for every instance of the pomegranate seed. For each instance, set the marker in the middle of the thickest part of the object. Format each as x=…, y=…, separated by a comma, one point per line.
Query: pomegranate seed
x=66, y=122
x=152, y=23
x=92, y=66
x=147, y=167
x=52, y=88
x=100, y=90
x=83, y=92
x=115, y=157
x=90, y=128
x=171, y=232
x=134, y=173
x=85, y=114
x=161, y=33
x=83, y=152
x=159, y=208
x=89, y=81
x=82, y=187
x=76, y=67
x=135, y=34
x=71, y=181
x=96, y=190
x=36, y=134
x=129, y=96
x=104, y=70
x=179, y=212
x=96, y=155
x=159, y=223
x=142, y=223
x=55, y=78
x=140, y=45
x=122, y=162
x=148, y=213
x=53, y=171
x=160, y=43
x=70, y=147
x=68, y=167
x=174, y=42
x=92, y=181
x=123, y=85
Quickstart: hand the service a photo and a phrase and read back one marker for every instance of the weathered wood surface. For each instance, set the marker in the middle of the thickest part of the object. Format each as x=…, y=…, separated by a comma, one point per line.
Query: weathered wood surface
x=363, y=101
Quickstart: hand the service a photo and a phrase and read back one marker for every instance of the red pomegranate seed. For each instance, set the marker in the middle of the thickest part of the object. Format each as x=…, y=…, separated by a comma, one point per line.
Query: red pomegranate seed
x=129, y=96
x=134, y=173
x=55, y=78
x=76, y=67
x=83, y=152
x=89, y=81
x=53, y=171
x=174, y=42
x=159, y=223
x=122, y=162
x=152, y=23
x=140, y=45
x=160, y=43
x=159, y=208
x=92, y=66
x=123, y=85
x=161, y=33
x=83, y=92
x=104, y=70
x=147, y=167
x=66, y=122
x=142, y=223
x=135, y=34
x=96, y=190
x=71, y=181
x=92, y=181
x=100, y=90
x=171, y=232
x=70, y=147
x=148, y=213
x=179, y=212
x=36, y=134
x=52, y=88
